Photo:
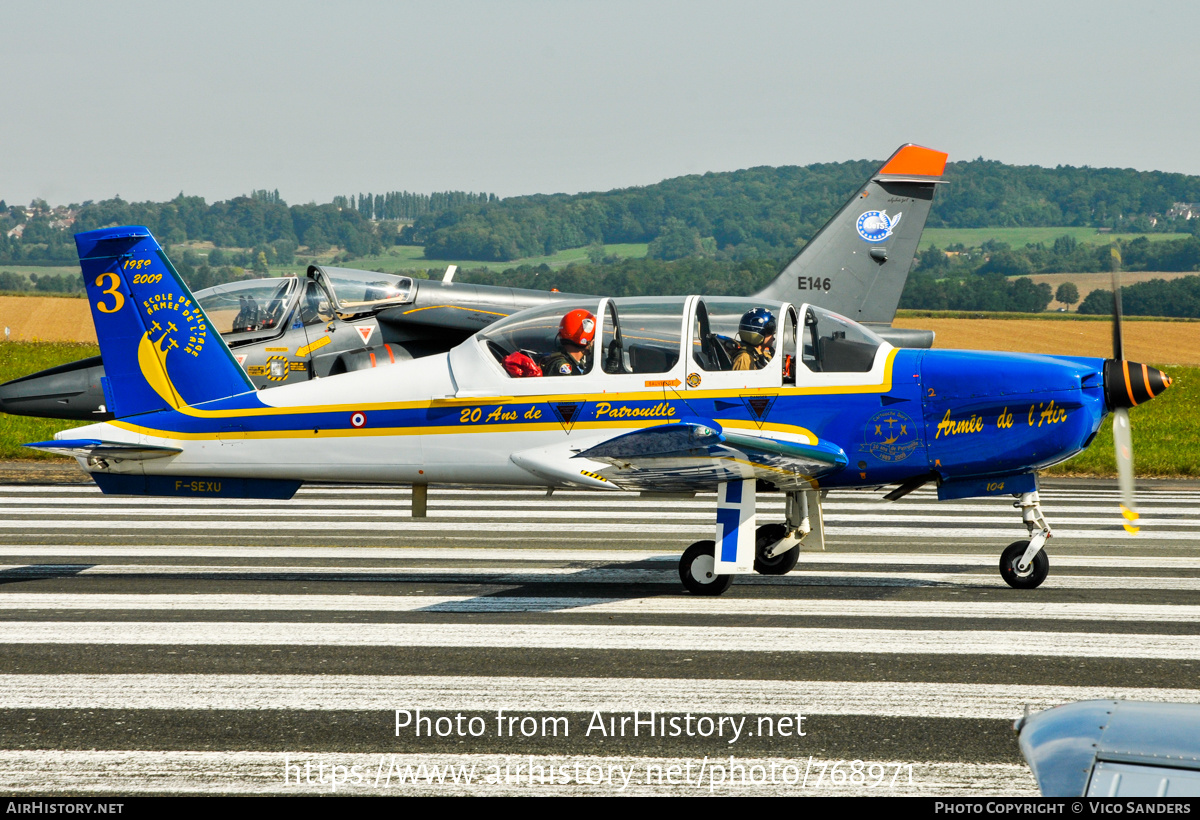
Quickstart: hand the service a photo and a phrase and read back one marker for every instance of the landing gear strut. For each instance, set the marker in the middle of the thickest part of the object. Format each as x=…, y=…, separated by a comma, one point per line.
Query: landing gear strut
x=777, y=546
x=1024, y=564
x=773, y=549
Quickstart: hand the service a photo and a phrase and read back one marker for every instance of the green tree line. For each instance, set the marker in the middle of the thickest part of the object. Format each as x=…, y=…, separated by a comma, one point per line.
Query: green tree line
x=733, y=216
x=257, y=221
x=769, y=211
x=1064, y=255
x=1158, y=297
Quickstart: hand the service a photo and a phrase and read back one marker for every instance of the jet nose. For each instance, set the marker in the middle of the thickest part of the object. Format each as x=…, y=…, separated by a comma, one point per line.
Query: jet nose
x=1128, y=384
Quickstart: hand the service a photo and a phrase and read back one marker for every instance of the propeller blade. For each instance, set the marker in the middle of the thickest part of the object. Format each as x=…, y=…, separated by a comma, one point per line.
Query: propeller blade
x=1123, y=442
x=1118, y=337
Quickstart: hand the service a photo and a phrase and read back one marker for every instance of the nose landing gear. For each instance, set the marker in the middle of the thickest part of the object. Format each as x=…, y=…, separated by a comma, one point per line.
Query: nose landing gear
x=1024, y=564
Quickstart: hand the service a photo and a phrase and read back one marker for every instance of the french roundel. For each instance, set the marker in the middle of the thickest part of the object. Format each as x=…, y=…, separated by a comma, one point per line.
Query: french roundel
x=358, y=420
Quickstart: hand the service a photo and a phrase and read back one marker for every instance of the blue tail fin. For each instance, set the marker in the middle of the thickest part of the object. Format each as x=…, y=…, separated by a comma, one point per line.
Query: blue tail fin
x=159, y=349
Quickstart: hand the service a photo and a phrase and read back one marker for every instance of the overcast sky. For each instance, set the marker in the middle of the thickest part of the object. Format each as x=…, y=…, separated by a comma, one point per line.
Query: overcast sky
x=149, y=99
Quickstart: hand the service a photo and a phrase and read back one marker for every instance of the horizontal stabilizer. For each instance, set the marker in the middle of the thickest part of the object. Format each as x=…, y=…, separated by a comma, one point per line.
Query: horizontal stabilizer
x=88, y=448
x=195, y=486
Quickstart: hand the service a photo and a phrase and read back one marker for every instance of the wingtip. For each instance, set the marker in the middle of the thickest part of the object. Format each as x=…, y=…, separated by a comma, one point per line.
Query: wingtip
x=915, y=160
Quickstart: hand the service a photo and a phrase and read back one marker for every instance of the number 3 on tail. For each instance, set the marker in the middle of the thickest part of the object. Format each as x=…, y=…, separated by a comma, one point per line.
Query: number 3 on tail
x=118, y=297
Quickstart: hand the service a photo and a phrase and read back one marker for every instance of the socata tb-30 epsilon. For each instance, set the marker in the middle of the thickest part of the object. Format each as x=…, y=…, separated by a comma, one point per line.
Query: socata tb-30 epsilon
x=657, y=406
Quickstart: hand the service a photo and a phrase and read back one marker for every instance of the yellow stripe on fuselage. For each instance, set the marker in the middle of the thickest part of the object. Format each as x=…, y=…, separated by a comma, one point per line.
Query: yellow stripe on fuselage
x=238, y=435
x=491, y=401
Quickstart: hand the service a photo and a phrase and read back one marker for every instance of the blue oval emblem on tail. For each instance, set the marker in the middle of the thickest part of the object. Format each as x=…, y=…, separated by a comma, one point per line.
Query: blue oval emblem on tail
x=876, y=226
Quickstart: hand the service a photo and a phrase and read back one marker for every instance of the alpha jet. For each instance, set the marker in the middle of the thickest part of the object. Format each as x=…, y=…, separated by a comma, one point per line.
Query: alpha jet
x=336, y=320
x=655, y=407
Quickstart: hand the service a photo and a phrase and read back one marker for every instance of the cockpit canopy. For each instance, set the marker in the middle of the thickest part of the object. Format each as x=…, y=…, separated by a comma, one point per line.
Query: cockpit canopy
x=646, y=335
x=249, y=309
x=356, y=291
x=835, y=344
x=634, y=335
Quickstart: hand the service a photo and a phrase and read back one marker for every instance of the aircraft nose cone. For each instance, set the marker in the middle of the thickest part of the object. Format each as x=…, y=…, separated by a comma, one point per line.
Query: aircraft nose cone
x=1128, y=384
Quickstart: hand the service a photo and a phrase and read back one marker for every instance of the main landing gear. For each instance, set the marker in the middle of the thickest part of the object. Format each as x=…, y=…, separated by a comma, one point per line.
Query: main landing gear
x=1024, y=564
x=697, y=570
x=776, y=546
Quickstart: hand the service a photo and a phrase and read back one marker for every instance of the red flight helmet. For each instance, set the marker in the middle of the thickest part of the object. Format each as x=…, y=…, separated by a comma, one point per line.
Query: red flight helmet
x=578, y=327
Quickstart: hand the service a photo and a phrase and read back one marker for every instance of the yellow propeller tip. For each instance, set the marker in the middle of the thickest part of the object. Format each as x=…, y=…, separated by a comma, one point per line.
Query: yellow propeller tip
x=1129, y=514
x=1132, y=530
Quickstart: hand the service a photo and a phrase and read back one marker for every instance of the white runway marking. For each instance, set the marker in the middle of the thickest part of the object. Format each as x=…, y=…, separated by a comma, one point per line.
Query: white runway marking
x=568, y=636
x=123, y=772
x=555, y=695
x=568, y=554
x=985, y=509
x=1085, y=520
x=674, y=605
x=210, y=523
x=603, y=575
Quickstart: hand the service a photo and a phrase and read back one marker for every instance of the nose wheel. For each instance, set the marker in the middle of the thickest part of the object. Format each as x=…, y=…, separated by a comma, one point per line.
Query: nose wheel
x=1034, y=573
x=1024, y=564
x=696, y=570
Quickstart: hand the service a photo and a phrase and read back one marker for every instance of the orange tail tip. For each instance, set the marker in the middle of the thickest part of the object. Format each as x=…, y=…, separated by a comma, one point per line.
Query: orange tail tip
x=913, y=160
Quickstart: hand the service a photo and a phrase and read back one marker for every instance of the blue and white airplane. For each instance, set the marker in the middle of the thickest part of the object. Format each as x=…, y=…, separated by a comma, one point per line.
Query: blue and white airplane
x=656, y=406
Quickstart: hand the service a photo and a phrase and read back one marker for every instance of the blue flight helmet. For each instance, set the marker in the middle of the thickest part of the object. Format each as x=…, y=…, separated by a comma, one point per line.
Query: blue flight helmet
x=756, y=325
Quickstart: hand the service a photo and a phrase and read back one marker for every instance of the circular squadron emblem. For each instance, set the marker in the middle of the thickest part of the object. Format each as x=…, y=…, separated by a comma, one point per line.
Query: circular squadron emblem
x=876, y=226
x=890, y=436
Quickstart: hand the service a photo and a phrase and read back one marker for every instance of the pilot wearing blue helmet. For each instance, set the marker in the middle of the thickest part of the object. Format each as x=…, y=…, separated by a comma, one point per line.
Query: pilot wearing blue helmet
x=756, y=333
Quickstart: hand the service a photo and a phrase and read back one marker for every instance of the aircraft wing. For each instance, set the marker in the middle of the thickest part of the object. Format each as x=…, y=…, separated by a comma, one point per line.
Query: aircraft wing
x=90, y=447
x=692, y=456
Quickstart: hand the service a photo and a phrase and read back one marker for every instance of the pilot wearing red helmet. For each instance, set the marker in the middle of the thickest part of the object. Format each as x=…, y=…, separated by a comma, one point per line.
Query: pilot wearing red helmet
x=576, y=332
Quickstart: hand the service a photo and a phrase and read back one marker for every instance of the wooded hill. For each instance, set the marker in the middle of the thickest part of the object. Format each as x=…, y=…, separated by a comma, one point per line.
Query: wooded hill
x=757, y=212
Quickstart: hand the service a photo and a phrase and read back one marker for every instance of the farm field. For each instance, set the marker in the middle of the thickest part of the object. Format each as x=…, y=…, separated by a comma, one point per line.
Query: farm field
x=46, y=319
x=1087, y=282
x=1145, y=341
x=1020, y=237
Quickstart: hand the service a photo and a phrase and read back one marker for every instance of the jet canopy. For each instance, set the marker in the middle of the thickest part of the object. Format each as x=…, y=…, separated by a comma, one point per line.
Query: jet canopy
x=249, y=309
x=357, y=292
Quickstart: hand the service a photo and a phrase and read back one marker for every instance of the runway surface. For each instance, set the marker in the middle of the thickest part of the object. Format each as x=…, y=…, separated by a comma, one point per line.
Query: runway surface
x=513, y=643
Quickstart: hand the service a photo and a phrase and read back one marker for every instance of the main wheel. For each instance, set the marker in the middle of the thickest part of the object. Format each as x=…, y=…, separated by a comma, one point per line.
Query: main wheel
x=696, y=570
x=1033, y=575
x=780, y=564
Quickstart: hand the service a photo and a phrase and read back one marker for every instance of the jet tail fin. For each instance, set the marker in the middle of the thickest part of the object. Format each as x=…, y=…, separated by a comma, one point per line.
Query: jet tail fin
x=159, y=349
x=857, y=264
